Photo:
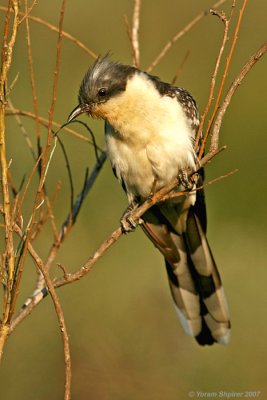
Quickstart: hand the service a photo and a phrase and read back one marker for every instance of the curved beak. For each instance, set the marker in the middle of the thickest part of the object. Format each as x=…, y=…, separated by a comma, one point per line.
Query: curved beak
x=80, y=109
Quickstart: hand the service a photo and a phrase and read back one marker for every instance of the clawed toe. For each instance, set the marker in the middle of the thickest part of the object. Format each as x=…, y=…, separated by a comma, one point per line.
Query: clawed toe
x=187, y=181
x=128, y=223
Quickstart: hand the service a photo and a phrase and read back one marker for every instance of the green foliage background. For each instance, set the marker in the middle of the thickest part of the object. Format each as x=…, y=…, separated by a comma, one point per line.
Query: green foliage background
x=125, y=338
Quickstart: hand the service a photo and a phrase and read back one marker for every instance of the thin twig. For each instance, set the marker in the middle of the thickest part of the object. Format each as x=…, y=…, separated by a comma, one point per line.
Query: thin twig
x=128, y=28
x=87, y=187
x=38, y=296
x=56, y=29
x=45, y=164
x=30, y=61
x=50, y=158
x=135, y=33
x=63, y=330
x=56, y=74
x=59, y=312
x=89, y=264
x=28, y=11
x=21, y=256
x=247, y=67
x=28, y=185
x=22, y=127
x=11, y=183
x=223, y=81
x=91, y=133
x=214, y=75
x=180, y=194
x=49, y=215
x=180, y=34
x=45, y=122
x=180, y=68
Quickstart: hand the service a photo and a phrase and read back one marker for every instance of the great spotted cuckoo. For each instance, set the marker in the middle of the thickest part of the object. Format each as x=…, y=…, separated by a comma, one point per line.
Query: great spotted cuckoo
x=150, y=130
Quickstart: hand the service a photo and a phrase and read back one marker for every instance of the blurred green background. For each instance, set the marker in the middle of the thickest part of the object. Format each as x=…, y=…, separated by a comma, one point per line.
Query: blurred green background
x=126, y=341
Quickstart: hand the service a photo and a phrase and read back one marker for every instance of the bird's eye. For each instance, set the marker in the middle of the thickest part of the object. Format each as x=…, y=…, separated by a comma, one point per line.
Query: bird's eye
x=102, y=92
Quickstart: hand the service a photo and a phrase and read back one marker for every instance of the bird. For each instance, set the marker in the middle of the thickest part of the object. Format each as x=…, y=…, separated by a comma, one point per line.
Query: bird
x=150, y=132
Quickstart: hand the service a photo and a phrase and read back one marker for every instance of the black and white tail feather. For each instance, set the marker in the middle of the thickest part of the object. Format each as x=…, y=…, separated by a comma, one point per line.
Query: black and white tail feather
x=193, y=276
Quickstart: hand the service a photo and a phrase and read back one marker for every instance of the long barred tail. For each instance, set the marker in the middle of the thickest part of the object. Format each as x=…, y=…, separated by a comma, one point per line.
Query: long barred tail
x=193, y=276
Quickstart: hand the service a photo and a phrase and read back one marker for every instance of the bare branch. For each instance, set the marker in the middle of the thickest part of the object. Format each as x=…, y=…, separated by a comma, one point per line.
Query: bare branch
x=128, y=28
x=44, y=121
x=59, y=312
x=32, y=79
x=63, y=330
x=247, y=67
x=9, y=256
x=56, y=29
x=21, y=126
x=89, y=264
x=179, y=194
x=180, y=34
x=40, y=292
x=226, y=70
x=135, y=33
x=215, y=73
x=28, y=11
x=180, y=68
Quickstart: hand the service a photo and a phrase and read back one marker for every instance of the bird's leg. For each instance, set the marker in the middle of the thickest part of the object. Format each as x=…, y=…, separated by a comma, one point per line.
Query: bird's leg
x=153, y=188
x=128, y=223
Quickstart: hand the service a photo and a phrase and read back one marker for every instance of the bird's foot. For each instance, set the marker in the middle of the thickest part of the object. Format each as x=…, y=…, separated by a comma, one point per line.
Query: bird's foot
x=188, y=182
x=128, y=222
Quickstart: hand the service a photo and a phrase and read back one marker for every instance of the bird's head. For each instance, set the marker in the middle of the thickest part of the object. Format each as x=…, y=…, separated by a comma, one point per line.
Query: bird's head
x=104, y=80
